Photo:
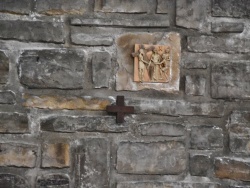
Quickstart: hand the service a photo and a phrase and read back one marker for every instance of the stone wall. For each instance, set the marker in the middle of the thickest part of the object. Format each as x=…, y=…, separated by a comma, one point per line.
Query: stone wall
x=62, y=62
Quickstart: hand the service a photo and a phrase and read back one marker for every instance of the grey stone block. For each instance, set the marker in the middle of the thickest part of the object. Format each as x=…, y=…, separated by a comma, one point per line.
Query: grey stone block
x=151, y=158
x=4, y=68
x=13, y=123
x=206, y=138
x=227, y=27
x=101, y=69
x=195, y=85
x=199, y=164
x=162, y=129
x=7, y=97
x=13, y=181
x=13, y=6
x=231, y=8
x=32, y=31
x=93, y=168
x=162, y=6
x=54, y=68
x=231, y=80
x=52, y=180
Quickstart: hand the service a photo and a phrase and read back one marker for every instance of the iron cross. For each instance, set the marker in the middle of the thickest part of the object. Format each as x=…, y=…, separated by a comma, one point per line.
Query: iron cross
x=120, y=109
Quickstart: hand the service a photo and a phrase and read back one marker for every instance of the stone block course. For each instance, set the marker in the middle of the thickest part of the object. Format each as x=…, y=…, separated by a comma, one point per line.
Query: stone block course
x=16, y=7
x=151, y=158
x=33, y=31
x=59, y=68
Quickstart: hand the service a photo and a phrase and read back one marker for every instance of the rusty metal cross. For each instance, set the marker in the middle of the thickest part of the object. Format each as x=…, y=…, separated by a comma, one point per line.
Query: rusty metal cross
x=120, y=109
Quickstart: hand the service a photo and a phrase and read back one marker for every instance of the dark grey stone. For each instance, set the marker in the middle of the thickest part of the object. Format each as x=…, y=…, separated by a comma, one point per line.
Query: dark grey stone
x=162, y=129
x=13, y=123
x=7, y=97
x=206, y=137
x=13, y=181
x=240, y=144
x=151, y=158
x=62, y=68
x=195, y=85
x=240, y=117
x=93, y=167
x=231, y=8
x=192, y=13
x=231, y=80
x=218, y=44
x=199, y=164
x=32, y=31
x=83, y=124
x=162, y=6
x=91, y=36
x=57, y=7
x=101, y=69
x=227, y=27
x=142, y=6
x=195, y=61
x=4, y=68
x=13, y=6
x=53, y=181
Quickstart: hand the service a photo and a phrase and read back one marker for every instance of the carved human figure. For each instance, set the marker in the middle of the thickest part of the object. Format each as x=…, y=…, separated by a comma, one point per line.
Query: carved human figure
x=142, y=65
x=155, y=60
x=165, y=63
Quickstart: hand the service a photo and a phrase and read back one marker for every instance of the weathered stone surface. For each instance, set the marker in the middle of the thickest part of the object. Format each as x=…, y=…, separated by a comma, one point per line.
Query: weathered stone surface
x=240, y=118
x=93, y=169
x=53, y=180
x=199, y=164
x=4, y=68
x=232, y=168
x=12, y=6
x=227, y=27
x=151, y=158
x=70, y=103
x=162, y=129
x=91, y=36
x=218, y=44
x=101, y=69
x=231, y=80
x=195, y=85
x=162, y=6
x=12, y=181
x=83, y=124
x=55, y=155
x=206, y=137
x=192, y=14
x=195, y=61
x=125, y=74
x=7, y=97
x=33, y=31
x=58, y=7
x=13, y=123
x=176, y=108
x=19, y=155
x=122, y=6
x=166, y=185
x=135, y=22
x=231, y=8
x=61, y=69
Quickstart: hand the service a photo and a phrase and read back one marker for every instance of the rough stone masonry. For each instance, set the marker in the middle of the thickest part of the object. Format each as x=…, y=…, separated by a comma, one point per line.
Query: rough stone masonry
x=62, y=62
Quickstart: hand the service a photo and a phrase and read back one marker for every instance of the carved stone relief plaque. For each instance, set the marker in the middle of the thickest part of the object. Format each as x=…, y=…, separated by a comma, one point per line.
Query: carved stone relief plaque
x=152, y=63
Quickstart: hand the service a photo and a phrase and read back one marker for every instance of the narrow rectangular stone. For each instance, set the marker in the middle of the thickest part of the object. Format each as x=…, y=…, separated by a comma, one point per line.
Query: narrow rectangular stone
x=32, y=31
x=13, y=6
x=4, y=68
x=162, y=129
x=219, y=44
x=232, y=168
x=63, y=69
x=231, y=80
x=83, y=124
x=55, y=155
x=19, y=155
x=231, y=8
x=14, y=123
x=7, y=97
x=53, y=180
x=195, y=85
x=57, y=7
x=151, y=158
x=101, y=69
x=206, y=137
x=93, y=167
x=227, y=27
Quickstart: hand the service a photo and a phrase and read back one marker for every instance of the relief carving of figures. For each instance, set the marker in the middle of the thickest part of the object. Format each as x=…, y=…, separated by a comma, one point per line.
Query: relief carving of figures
x=152, y=63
